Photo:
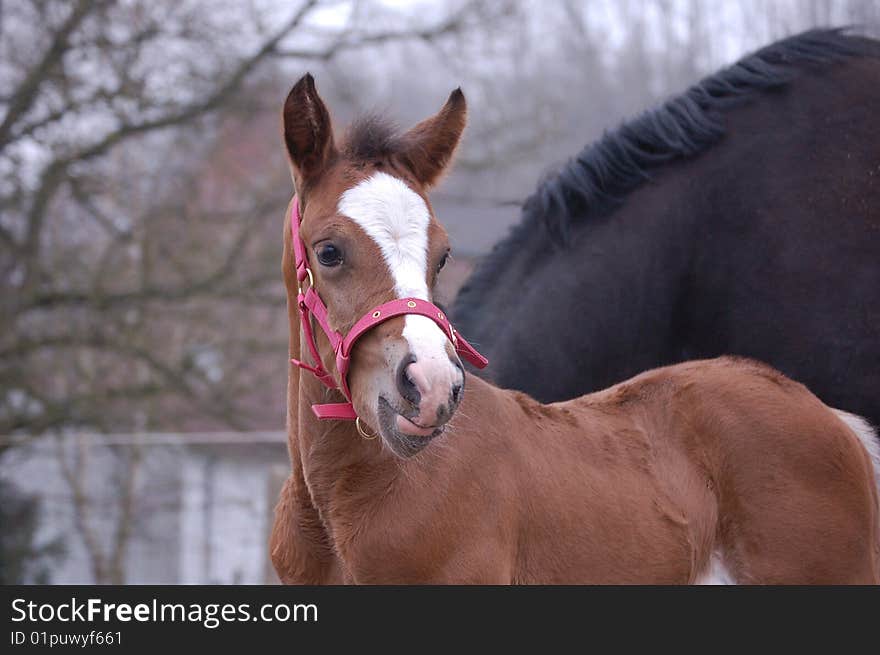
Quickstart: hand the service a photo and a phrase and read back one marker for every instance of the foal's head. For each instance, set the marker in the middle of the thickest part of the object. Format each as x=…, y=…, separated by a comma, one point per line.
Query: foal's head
x=371, y=237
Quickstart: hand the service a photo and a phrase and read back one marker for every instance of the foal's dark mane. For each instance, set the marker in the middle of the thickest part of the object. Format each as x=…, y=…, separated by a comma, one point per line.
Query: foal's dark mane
x=596, y=181
x=371, y=137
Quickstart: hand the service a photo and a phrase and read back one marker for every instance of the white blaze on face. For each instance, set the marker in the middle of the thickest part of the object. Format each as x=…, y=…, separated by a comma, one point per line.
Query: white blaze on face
x=397, y=219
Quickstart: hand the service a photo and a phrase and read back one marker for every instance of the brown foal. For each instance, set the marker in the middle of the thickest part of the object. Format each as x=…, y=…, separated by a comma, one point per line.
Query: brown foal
x=708, y=471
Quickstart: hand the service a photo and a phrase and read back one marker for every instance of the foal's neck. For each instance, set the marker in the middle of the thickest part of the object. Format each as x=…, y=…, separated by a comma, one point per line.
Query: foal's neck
x=333, y=453
x=339, y=463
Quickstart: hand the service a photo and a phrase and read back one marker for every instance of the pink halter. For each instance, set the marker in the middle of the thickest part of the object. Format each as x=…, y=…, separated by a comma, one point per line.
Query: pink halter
x=310, y=304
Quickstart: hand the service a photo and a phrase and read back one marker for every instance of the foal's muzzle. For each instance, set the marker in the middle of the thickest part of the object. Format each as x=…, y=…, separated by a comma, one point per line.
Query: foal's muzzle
x=432, y=388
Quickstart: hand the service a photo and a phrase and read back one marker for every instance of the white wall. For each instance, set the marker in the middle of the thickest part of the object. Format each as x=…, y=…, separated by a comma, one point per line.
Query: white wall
x=201, y=512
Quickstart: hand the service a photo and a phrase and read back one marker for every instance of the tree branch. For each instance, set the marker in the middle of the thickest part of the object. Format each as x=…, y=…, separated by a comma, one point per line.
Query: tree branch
x=346, y=42
x=22, y=99
x=126, y=518
x=213, y=101
x=73, y=475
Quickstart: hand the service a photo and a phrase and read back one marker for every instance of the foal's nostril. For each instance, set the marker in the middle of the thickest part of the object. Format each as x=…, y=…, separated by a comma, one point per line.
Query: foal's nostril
x=456, y=393
x=405, y=384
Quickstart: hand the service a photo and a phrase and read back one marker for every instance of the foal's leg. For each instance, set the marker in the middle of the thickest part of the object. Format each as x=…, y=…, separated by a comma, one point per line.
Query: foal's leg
x=299, y=546
x=803, y=511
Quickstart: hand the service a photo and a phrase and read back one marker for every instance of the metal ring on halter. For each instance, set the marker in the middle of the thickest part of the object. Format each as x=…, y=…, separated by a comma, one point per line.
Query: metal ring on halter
x=357, y=423
x=311, y=281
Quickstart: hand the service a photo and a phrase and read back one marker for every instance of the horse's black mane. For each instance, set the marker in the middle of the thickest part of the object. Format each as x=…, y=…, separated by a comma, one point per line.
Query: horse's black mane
x=595, y=181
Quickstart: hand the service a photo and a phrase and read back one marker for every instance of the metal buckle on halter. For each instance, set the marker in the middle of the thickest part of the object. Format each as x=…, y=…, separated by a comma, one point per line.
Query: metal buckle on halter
x=364, y=433
x=299, y=282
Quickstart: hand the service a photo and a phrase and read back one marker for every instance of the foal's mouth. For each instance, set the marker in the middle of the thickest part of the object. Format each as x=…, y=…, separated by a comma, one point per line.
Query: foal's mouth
x=402, y=434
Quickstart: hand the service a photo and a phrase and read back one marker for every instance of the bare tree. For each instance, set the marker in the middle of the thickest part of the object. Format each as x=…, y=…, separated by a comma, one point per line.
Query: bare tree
x=140, y=202
x=138, y=272
x=116, y=515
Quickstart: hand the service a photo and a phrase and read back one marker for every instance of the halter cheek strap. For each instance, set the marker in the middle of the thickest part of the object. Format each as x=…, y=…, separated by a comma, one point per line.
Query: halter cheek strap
x=311, y=306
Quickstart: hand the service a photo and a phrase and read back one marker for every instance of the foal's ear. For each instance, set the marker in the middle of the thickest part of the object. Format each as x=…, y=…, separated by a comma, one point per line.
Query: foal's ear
x=429, y=146
x=308, y=133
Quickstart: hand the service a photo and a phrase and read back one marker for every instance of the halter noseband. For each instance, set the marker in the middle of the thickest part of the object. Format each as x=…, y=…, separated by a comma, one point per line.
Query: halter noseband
x=311, y=305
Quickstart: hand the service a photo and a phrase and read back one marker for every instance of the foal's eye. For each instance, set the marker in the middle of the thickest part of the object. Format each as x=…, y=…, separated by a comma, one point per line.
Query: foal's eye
x=329, y=255
x=443, y=261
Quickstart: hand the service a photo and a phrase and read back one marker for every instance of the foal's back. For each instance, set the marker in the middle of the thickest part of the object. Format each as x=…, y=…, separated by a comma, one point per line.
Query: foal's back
x=705, y=471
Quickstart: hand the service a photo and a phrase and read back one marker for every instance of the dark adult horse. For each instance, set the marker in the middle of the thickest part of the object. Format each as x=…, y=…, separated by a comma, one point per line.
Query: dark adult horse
x=741, y=217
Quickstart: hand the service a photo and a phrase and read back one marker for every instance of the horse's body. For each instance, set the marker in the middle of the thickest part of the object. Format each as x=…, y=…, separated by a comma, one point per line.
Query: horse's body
x=720, y=470
x=757, y=234
x=711, y=471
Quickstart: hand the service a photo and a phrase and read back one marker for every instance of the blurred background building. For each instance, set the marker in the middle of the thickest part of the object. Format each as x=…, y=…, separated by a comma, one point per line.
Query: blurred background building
x=143, y=353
